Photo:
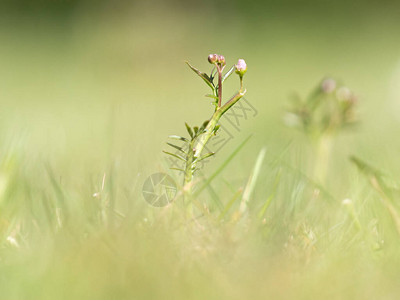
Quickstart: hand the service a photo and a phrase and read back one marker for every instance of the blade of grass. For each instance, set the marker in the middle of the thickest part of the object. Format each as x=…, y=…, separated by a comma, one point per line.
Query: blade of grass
x=231, y=188
x=271, y=196
x=215, y=198
x=60, y=196
x=222, y=167
x=229, y=204
x=252, y=181
x=213, y=194
x=378, y=184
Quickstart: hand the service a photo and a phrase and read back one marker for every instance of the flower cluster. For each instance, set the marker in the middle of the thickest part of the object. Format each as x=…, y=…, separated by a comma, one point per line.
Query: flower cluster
x=217, y=59
x=329, y=108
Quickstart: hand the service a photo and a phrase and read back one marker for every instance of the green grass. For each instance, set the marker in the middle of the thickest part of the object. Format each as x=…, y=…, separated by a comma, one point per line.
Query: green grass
x=88, y=104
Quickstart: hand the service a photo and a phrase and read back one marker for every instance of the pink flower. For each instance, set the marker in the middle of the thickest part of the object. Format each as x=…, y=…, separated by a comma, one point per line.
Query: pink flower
x=241, y=67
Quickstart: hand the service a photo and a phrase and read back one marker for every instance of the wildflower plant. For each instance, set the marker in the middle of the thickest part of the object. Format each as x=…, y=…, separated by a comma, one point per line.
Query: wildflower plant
x=192, y=153
x=327, y=111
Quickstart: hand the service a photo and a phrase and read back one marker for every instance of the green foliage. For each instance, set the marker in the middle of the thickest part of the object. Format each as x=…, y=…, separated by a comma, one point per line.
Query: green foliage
x=200, y=136
x=207, y=79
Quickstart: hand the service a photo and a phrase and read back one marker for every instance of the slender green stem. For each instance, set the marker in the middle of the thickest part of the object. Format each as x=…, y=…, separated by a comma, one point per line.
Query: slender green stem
x=209, y=131
x=232, y=101
x=187, y=187
x=219, y=85
x=197, y=146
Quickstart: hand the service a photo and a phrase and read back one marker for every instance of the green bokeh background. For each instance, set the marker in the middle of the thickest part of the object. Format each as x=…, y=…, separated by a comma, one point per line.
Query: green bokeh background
x=94, y=87
x=77, y=75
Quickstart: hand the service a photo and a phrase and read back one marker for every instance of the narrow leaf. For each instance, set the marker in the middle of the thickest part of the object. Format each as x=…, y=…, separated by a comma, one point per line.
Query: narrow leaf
x=180, y=138
x=175, y=155
x=227, y=74
x=189, y=130
x=176, y=147
x=204, y=76
x=212, y=96
x=205, y=156
x=177, y=169
x=213, y=73
x=204, y=125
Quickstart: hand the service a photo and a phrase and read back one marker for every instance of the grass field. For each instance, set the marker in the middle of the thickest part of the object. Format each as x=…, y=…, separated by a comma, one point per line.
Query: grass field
x=89, y=98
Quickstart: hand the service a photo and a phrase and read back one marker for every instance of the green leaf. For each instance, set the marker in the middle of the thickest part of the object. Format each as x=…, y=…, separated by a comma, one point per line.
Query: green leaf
x=177, y=169
x=196, y=130
x=175, y=155
x=176, y=147
x=213, y=73
x=205, y=156
x=212, y=96
x=227, y=74
x=180, y=138
x=202, y=127
x=189, y=130
x=204, y=76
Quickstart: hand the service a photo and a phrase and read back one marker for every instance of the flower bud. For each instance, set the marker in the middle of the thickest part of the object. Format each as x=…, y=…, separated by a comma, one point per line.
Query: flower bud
x=344, y=94
x=241, y=67
x=212, y=58
x=221, y=60
x=328, y=85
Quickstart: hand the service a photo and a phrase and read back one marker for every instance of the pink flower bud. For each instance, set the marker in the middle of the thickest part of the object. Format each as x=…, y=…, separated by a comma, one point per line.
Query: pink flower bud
x=328, y=85
x=221, y=60
x=212, y=58
x=241, y=67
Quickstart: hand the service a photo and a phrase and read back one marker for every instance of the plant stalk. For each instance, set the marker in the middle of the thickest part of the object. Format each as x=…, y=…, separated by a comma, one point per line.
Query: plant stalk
x=219, y=86
x=323, y=158
x=197, y=146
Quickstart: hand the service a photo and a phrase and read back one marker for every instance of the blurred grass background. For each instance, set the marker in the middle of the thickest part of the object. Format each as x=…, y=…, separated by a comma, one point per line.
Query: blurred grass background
x=94, y=87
